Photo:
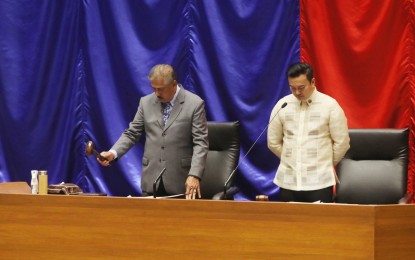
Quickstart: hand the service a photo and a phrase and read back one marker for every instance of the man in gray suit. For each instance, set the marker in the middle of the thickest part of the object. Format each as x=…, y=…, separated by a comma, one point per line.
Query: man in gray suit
x=174, y=122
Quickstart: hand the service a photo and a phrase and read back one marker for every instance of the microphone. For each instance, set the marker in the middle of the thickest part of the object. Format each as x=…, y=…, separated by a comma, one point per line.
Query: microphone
x=252, y=146
x=157, y=180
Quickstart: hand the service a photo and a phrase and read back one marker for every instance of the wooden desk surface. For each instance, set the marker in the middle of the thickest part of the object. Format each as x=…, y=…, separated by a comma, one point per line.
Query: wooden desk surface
x=68, y=227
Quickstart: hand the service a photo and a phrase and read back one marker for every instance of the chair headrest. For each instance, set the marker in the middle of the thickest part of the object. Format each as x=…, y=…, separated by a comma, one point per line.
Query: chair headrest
x=377, y=144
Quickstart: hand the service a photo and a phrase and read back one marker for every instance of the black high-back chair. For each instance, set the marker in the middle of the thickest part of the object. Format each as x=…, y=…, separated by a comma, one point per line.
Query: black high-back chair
x=223, y=157
x=375, y=169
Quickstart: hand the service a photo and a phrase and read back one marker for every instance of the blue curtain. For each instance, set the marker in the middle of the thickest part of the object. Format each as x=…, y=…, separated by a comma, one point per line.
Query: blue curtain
x=73, y=71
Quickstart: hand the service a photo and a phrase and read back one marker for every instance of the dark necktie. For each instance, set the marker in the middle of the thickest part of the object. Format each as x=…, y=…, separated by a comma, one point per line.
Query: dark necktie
x=166, y=109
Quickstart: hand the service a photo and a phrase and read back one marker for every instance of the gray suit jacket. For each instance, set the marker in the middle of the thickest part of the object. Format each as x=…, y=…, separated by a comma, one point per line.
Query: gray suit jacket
x=181, y=145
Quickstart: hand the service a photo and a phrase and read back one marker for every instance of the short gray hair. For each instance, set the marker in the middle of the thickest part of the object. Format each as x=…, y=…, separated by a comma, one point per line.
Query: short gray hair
x=162, y=71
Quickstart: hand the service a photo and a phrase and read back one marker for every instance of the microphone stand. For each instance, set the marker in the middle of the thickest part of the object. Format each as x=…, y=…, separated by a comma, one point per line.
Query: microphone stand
x=157, y=180
x=249, y=150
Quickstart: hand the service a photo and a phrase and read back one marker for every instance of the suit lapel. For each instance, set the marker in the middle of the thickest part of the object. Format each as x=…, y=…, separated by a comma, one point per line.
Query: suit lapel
x=177, y=108
x=157, y=107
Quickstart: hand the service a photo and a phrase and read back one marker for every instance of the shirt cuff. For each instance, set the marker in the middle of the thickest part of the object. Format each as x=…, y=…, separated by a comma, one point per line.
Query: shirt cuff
x=114, y=153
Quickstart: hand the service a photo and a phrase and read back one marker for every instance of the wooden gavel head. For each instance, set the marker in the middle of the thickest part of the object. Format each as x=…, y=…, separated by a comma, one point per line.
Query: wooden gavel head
x=90, y=148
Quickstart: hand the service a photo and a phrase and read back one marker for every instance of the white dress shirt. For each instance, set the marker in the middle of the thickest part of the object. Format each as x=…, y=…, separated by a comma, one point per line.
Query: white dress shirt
x=310, y=138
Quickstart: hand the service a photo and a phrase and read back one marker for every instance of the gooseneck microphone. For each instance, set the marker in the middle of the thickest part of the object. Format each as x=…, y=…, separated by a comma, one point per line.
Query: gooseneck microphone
x=252, y=146
x=157, y=180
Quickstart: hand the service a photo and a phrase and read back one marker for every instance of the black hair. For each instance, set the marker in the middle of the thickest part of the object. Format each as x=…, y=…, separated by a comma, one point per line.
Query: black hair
x=300, y=68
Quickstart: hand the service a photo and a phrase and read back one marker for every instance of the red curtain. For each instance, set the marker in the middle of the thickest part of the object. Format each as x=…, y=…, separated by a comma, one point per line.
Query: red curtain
x=363, y=53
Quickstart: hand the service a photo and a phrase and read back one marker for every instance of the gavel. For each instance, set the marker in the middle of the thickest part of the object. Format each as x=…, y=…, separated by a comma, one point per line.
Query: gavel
x=261, y=198
x=91, y=150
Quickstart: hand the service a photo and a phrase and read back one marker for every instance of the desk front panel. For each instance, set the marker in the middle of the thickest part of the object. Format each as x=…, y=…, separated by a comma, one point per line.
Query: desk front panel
x=110, y=227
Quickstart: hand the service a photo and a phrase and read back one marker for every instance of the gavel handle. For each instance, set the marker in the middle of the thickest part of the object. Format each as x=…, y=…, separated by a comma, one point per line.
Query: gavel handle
x=100, y=157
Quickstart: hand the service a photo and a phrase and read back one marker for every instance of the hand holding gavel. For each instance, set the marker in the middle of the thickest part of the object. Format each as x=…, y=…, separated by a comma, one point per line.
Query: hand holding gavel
x=91, y=150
